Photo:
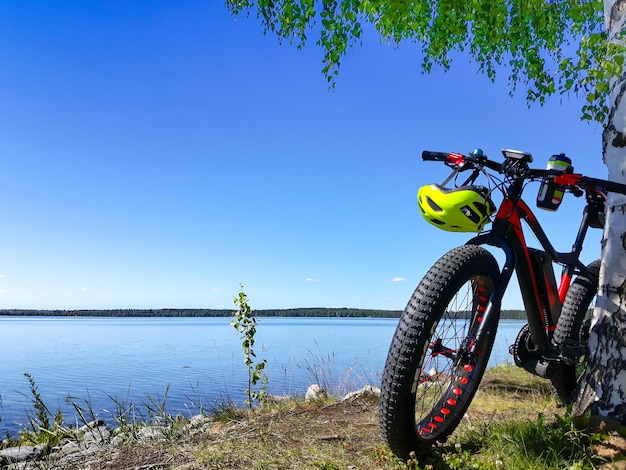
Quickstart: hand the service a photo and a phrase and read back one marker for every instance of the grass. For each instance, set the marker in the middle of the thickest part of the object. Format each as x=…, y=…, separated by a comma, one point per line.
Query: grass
x=513, y=423
x=44, y=427
x=539, y=443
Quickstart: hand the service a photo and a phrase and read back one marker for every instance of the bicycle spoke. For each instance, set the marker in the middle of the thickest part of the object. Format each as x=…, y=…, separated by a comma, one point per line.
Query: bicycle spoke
x=447, y=364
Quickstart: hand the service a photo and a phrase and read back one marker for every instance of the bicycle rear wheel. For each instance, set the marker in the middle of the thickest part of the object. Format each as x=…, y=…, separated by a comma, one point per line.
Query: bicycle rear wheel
x=572, y=331
x=430, y=377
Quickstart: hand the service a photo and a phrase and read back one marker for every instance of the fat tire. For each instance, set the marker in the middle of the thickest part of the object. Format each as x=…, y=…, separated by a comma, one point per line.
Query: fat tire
x=406, y=427
x=572, y=328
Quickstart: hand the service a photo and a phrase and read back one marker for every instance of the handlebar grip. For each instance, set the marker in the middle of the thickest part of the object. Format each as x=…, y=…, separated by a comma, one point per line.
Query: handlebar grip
x=610, y=186
x=428, y=155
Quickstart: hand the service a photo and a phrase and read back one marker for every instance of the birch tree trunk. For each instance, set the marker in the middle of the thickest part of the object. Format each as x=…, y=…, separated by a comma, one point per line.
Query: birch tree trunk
x=603, y=389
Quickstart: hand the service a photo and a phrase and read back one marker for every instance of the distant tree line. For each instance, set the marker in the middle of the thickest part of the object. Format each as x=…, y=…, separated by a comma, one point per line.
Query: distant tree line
x=205, y=312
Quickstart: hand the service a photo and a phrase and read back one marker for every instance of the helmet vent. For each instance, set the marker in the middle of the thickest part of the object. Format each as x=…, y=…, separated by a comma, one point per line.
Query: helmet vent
x=482, y=208
x=470, y=214
x=432, y=205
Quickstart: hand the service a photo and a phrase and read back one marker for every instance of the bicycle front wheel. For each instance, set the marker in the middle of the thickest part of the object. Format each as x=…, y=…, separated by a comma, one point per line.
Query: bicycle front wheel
x=432, y=371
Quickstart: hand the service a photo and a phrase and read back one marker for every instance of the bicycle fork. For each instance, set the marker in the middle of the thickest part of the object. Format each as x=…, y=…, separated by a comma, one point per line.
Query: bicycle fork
x=486, y=321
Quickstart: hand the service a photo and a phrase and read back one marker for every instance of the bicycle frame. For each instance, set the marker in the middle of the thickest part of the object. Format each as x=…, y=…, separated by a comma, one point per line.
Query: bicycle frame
x=542, y=297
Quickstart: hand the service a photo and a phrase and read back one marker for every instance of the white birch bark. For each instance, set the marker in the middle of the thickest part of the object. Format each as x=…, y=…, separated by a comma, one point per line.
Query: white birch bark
x=603, y=389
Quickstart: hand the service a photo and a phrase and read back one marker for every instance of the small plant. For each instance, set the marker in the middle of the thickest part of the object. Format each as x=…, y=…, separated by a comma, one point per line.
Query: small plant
x=125, y=412
x=412, y=463
x=320, y=370
x=44, y=427
x=86, y=416
x=84, y=409
x=226, y=412
x=156, y=408
x=244, y=322
x=196, y=402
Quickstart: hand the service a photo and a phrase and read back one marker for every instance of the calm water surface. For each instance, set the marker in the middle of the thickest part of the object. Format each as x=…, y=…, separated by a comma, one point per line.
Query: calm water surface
x=198, y=361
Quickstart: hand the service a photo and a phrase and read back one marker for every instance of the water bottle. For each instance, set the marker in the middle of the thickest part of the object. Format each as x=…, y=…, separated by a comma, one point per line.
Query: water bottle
x=550, y=194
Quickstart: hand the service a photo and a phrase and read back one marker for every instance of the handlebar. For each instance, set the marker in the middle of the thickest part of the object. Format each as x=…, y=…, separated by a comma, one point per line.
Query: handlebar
x=518, y=168
x=428, y=155
x=575, y=179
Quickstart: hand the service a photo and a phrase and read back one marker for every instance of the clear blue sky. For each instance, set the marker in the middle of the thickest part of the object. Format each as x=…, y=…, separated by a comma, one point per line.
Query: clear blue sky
x=158, y=154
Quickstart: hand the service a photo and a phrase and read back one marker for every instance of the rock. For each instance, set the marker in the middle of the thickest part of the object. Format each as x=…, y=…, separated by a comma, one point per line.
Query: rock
x=277, y=398
x=118, y=440
x=92, y=425
x=150, y=433
x=19, y=454
x=314, y=392
x=99, y=435
x=200, y=420
x=198, y=424
x=67, y=449
x=368, y=390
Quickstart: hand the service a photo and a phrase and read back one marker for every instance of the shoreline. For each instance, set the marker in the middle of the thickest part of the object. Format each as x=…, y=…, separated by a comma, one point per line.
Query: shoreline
x=304, y=312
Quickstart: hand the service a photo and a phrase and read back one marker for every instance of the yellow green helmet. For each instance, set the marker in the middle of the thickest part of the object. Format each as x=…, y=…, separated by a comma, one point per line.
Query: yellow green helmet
x=464, y=209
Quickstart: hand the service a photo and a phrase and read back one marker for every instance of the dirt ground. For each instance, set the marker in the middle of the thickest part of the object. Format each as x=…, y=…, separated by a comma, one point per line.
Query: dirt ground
x=316, y=436
x=324, y=436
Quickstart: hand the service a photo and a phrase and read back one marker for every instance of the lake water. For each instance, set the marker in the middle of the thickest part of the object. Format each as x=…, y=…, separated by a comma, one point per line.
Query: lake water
x=119, y=362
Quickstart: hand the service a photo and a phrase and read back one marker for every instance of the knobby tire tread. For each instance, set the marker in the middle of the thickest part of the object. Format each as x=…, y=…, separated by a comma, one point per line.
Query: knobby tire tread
x=408, y=349
x=570, y=329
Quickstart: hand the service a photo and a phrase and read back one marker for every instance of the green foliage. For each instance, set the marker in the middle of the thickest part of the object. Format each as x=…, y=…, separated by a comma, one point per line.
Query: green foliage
x=156, y=407
x=326, y=465
x=528, y=444
x=226, y=412
x=125, y=412
x=85, y=413
x=244, y=322
x=590, y=72
x=547, y=46
x=43, y=427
